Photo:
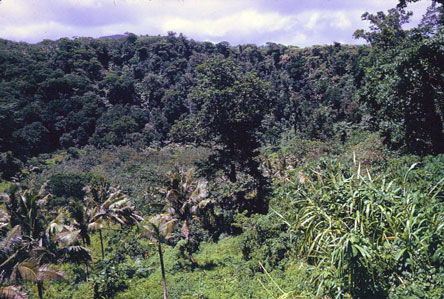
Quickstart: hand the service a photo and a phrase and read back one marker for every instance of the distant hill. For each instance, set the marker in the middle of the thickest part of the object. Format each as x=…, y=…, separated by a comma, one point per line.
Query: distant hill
x=114, y=36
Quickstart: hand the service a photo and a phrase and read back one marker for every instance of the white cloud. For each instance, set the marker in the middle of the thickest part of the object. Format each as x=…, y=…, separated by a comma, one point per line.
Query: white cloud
x=312, y=20
x=243, y=23
x=301, y=22
x=340, y=20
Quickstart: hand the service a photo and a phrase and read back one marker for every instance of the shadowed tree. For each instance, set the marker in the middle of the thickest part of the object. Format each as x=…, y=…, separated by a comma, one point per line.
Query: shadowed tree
x=404, y=79
x=231, y=105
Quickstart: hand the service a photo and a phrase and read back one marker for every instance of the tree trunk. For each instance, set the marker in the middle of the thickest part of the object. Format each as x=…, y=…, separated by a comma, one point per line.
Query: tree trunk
x=165, y=295
x=101, y=244
x=86, y=271
x=40, y=289
x=86, y=262
x=192, y=258
x=232, y=175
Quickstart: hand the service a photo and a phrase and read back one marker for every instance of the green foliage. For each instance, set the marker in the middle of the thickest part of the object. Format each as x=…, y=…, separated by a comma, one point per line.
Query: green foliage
x=70, y=93
x=231, y=105
x=110, y=280
x=9, y=165
x=403, y=81
x=140, y=175
x=348, y=218
x=265, y=243
x=221, y=273
x=366, y=233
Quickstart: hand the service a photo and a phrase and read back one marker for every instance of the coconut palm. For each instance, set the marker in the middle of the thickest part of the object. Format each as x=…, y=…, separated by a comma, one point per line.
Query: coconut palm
x=23, y=209
x=158, y=230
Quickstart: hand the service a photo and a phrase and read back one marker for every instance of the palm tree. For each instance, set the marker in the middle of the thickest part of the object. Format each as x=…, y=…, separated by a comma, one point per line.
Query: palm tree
x=23, y=208
x=158, y=230
x=186, y=200
x=31, y=270
x=24, y=248
x=25, y=236
x=4, y=221
x=108, y=205
x=68, y=236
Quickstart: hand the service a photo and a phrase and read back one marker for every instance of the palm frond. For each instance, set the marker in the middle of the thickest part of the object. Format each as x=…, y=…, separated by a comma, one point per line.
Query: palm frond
x=12, y=292
x=69, y=236
x=14, y=235
x=45, y=272
x=28, y=270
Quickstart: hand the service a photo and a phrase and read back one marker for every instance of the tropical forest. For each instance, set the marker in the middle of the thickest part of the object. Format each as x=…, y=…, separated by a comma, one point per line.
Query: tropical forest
x=159, y=166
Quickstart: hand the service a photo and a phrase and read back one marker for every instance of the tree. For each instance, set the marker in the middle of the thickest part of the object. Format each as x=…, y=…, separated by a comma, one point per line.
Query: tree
x=12, y=292
x=68, y=235
x=108, y=204
x=23, y=208
x=403, y=82
x=403, y=3
x=158, y=230
x=186, y=202
x=25, y=247
x=32, y=270
x=231, y=106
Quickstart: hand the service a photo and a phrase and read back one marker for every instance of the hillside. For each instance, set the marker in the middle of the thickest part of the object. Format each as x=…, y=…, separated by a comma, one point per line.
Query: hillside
x=149, y=166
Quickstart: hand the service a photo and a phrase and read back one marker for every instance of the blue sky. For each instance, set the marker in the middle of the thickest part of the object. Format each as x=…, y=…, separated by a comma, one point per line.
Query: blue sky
x=291, y=22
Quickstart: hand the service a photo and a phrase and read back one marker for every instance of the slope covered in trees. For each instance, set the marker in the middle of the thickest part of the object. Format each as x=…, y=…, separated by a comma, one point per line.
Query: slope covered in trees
x=148, y=166
x=68, y=93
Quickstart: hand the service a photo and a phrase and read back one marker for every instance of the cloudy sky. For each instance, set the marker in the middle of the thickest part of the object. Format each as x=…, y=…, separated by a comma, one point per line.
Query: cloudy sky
x=295, y=22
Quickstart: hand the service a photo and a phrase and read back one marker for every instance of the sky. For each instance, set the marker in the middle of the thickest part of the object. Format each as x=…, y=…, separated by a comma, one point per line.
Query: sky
x=290, y=22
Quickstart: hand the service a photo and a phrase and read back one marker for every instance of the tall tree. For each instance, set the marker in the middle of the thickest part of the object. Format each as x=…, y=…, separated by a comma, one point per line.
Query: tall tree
x=404, y=79
x=231, y=105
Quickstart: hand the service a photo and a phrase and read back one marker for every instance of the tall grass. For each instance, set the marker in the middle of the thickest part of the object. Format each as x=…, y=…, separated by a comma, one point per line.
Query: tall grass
x=366, y=234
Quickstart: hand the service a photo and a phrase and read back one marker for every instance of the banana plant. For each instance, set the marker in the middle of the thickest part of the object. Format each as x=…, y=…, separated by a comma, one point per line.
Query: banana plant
x=158, y=230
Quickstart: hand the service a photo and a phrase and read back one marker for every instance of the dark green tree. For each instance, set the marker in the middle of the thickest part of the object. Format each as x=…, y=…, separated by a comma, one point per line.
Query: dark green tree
x=231, y=105
x=403, y=82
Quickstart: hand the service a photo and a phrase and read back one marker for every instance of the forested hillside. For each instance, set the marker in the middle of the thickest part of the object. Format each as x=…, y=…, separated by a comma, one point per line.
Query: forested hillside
x=142, y=166
x=105, y=92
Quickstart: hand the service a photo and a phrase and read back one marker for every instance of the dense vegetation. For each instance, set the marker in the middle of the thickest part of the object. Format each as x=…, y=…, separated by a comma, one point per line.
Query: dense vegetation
x=149, y=166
